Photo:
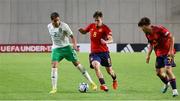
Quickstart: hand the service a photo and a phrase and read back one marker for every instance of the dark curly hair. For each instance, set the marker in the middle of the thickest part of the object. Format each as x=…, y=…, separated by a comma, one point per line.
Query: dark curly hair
x=97, y=14
x=54, y=15
x=144, y=21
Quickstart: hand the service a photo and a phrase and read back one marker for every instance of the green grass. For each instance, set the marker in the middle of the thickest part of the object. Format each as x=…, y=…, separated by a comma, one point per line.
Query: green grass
x=26, y=76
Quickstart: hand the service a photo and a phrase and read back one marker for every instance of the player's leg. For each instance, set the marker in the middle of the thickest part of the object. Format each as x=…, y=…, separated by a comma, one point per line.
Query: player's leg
x=71, y=55
x=83, y=71
x=55, y=57
x=95, y=60
x=85, y=74
x=54, y=76
x=96, y=66
x=113, y=75
x=106, y=61
x=160, y=70
x=162, y=75
x=172, y=79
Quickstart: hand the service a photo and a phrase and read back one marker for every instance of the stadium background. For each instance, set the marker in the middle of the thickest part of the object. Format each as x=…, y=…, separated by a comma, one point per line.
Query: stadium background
x=25, y=21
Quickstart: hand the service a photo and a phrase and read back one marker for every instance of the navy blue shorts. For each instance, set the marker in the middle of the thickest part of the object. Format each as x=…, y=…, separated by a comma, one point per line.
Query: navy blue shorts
x=163, y=61
x=103, y=58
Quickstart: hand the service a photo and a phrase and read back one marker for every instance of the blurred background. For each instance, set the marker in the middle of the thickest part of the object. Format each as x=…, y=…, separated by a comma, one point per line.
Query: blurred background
x=25, y=21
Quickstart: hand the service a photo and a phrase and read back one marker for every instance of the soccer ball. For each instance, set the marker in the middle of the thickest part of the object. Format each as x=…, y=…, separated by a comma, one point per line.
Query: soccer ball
x=83, y=87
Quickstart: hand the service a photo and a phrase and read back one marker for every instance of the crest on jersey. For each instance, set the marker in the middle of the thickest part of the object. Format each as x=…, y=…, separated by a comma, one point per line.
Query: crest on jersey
x=60, y=30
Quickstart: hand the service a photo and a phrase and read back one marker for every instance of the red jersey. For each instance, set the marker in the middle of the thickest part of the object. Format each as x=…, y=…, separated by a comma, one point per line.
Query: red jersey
x=159, y=39
x=96, y=34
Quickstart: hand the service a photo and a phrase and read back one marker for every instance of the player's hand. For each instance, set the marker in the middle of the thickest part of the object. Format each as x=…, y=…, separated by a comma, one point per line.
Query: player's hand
x=103, y=41
x=171, y=53
x=81, y=30
x=75, y=48
x=170, y=58
x=147, y=59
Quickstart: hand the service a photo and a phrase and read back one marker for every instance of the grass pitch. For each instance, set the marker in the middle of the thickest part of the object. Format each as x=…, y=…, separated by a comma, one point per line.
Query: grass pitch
x=26, y=76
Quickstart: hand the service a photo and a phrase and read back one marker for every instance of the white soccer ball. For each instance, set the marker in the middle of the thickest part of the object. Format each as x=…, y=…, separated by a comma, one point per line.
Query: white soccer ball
x=83, y=87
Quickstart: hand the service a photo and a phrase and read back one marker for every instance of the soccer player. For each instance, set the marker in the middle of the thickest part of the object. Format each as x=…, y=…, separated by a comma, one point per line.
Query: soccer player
x=61, y=48
x=100, y=36
x=161, y=40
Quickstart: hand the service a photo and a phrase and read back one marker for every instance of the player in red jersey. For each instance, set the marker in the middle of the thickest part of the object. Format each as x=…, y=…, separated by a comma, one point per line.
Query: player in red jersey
x=162, y=41
x=100, y=36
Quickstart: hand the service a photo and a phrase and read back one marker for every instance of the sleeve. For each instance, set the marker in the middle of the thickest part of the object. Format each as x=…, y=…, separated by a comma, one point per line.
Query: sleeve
x=49, y=27
x=164, y=32
x=149, y=41
x=68, y=30
x=108, y=31
x=87, y=29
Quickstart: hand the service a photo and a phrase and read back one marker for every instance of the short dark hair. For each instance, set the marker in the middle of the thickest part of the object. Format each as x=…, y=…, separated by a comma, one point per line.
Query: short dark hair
x=97, y=14
x=144, y=21
x=54, y=15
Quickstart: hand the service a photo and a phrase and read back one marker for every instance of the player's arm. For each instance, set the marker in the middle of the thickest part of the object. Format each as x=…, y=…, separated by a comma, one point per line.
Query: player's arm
x=166, y=33
x=82, y=31
x=74, y=42
x=85, y=30
x=150, y=48
x=73, y=39
x=108, y=33
x=108, y=41
x=171, y=48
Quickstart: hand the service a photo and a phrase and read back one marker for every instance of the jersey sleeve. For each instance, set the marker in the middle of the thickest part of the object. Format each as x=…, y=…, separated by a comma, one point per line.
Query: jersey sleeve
x=87, y=29
x=108, y=31
x=149, y=42
x=49, y=28
x=68, y=30
x=164, y=32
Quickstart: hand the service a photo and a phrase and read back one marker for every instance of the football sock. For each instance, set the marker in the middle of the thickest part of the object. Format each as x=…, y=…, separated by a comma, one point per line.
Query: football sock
x=84, y=72
x=164, y=79
x=173, y=83
x=101, y=80
x=54, y=77
x=113, y=76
